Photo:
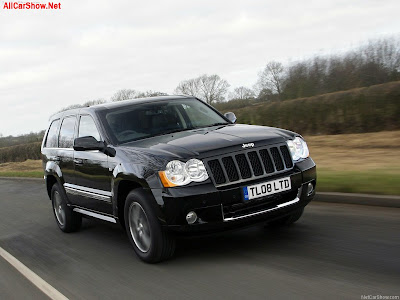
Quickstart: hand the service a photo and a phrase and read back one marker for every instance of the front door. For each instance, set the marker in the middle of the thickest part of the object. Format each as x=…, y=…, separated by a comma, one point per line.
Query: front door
x=65, y=152
x=92, y=176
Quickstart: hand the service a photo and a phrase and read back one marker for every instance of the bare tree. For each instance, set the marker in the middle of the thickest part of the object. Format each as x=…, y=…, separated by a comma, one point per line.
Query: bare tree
x=271, y=77
x=126, y=94
x=266, y=95
x=72, y=106
x=151, y=93
x=385, y=52
x=95, y=102
x=86, y=104
x=242, y=93
x=209, y=88
x=213, y=88
x=189, y=87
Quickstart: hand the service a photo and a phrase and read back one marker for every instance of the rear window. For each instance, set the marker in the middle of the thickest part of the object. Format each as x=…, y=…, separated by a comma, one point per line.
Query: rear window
x=67, y=131
x=51, y=141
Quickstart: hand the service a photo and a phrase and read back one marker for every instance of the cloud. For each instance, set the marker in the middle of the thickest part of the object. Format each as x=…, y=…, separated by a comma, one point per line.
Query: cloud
x=90, y=49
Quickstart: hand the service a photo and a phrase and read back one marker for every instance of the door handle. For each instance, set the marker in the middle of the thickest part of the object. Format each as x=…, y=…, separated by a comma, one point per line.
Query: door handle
x=78, y=161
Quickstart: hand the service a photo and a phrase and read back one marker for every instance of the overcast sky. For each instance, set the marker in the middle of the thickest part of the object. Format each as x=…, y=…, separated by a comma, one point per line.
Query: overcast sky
x=90, y=49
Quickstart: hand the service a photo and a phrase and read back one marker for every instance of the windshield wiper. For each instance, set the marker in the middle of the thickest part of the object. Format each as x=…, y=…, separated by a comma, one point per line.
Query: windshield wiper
x=211, y=125
x=171, y=131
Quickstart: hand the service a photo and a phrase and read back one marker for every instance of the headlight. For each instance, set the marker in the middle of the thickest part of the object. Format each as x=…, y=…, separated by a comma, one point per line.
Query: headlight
x=178, y=173
x=196, y=170
x=298, y=148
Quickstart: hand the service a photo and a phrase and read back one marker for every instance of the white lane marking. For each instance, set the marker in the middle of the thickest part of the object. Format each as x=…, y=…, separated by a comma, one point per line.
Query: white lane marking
x=32, y=277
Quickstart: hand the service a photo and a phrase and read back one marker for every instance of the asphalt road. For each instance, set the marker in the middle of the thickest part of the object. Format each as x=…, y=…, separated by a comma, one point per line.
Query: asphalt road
x=334, y=251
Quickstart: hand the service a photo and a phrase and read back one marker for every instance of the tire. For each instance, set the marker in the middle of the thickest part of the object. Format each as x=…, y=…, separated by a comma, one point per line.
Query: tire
x=287, y=220
x=67, y=220
x=150, y=241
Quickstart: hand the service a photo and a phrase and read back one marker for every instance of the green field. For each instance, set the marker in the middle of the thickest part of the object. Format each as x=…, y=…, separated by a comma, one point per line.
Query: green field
x=28, y=168
x=351, y=163
x=367, y=182
x=32, y=174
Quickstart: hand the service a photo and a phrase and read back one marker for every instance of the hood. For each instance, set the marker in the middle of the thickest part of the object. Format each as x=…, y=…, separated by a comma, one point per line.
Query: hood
x=209, y=141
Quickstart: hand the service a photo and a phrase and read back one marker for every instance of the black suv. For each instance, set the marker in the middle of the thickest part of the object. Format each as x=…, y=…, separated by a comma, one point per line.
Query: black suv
x=172, y=165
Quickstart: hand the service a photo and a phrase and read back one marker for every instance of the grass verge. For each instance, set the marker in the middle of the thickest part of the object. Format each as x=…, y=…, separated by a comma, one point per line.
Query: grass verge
x=349, y=163
x=28, y=168
x=366, y=182
x=32, y=174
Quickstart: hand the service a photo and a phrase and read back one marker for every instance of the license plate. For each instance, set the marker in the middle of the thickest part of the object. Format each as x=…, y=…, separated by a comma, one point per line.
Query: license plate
x=267, y=188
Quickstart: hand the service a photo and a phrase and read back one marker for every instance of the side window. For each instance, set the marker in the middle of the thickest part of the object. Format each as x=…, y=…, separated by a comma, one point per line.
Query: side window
x=66, y=138
x=51, y=141
x=87, y=127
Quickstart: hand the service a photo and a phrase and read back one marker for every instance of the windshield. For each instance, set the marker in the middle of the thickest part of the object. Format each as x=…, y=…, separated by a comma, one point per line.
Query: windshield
x=145, y=120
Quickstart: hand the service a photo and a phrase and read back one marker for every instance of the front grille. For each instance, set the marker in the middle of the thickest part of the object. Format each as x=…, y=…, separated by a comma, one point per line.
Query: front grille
x=250, y=164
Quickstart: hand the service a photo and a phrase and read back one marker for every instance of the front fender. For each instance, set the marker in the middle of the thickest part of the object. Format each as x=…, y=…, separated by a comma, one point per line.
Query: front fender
x=126, y=177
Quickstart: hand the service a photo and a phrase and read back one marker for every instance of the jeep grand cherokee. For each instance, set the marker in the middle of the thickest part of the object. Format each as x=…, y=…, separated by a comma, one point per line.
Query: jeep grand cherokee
x=172, y=165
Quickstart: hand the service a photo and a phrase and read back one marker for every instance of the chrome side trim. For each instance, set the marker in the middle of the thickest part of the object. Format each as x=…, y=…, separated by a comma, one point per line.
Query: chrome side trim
x=87, y=189
x=87, y=192
x=297, y=199
x=95, y=215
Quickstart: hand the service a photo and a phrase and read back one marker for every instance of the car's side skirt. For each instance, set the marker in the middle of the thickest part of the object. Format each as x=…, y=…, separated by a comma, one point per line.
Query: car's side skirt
x=94, y=214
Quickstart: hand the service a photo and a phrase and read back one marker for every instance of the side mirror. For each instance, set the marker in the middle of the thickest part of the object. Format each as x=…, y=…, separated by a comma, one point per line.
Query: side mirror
x=87, y=143
x=231, y=117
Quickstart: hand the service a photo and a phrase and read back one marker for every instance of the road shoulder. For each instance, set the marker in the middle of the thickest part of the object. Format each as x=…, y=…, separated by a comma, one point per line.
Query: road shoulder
x=361, y=199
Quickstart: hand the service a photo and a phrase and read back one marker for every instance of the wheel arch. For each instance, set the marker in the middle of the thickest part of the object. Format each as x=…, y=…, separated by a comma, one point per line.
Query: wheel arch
x=50, y=181
x=123, y=186
x=53, y=175
x=123, y=189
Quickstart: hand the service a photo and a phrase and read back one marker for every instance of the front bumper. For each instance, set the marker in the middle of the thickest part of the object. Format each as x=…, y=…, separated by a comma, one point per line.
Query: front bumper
x=224, y=208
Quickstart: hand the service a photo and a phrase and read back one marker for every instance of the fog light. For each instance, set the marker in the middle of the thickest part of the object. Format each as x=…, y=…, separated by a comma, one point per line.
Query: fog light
x=310, y=189
x=191, y=217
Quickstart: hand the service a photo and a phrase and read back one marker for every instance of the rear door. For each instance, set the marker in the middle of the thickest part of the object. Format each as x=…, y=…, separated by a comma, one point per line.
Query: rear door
x=50, y=147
